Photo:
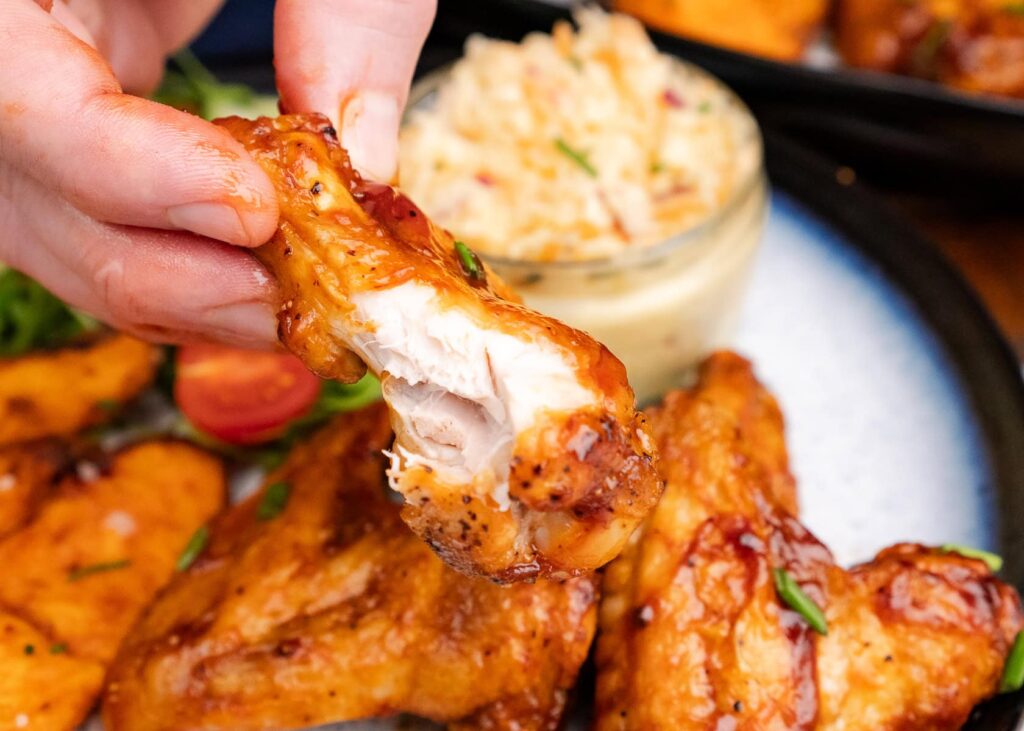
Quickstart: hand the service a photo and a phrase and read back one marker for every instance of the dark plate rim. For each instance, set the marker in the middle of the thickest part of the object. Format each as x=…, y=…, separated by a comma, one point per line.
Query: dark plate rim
x=841, y=80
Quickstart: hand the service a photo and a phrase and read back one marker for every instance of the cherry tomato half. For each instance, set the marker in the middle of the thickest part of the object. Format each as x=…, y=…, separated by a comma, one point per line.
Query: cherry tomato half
x=242, y=396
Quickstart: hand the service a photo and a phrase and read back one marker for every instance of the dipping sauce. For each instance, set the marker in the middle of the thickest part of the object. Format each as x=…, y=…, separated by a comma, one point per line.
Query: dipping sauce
x=615, y=188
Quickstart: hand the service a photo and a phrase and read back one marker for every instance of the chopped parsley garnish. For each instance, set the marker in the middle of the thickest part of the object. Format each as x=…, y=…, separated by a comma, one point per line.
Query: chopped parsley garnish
x=194, y=548
x=59, y=648
x=108, y=404
x=32, y=318
x=98, y=568
x=993, y=561
x=924, y=54
x=1014, y=9
x=791, y=593
x=576, y=156
x=274, y=501
x=1013, y=670
x=470, y=262
x=704, y=107
x=657, y=167
x=575, y=62
x=30, y=649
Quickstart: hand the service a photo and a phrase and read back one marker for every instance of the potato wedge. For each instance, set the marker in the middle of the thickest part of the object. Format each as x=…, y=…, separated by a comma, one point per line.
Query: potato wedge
x=61, y=392
x=42, y=686
x=96, y=553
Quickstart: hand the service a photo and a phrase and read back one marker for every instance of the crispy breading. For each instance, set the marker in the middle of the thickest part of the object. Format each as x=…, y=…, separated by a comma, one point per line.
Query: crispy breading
x=498, y=410
x=141, y=510
x=694, y=634
x=42, y=686
x=775, y=28
x=58, y=393
x=332, y=610
x=28, y=474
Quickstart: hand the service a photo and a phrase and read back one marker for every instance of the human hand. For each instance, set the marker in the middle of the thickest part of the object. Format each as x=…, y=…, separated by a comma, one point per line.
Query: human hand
x=352, y=60
x=123, y=207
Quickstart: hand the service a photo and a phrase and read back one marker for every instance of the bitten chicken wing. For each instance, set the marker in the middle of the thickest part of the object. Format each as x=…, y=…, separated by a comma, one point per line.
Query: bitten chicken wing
x=77, y=575
x=974, y=45
x=313, y=603
x=695, y=636
x=58, y=393
x=499, y=412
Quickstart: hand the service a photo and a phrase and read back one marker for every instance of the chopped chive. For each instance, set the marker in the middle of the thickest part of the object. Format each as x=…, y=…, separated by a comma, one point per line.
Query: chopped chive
x=657, y=167
x=471, y=264
x=58, y=648
x=993, y=561
x=274, y=501
x=575, y=62
x=576, y=156
x=98, y=568
x=1013, y=670
x=30, y=649
x=704, y=107
x=194, y=548
x=791, y=593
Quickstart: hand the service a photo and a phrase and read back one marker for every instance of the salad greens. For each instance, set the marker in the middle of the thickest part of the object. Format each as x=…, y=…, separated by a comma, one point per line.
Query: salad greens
x=31, y=318
x=192, y=87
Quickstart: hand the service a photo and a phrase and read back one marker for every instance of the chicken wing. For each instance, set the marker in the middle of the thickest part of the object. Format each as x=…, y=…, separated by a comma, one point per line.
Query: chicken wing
x=974, y=45
x=499, y=413
x=331, y=610
x=78, y=574
x=774, y=28
x=695, y=636
x=59, y=393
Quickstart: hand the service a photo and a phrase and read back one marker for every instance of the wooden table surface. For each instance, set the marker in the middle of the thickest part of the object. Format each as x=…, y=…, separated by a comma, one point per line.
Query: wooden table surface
x=986, y=244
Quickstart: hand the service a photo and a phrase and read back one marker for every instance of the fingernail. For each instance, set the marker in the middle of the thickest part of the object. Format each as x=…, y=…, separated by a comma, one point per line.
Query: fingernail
x=216, y=220
x=251, y=323
x=369, y=131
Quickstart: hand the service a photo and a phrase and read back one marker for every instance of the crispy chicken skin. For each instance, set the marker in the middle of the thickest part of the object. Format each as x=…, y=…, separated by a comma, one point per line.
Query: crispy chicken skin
x=694, y=635
x=779, y=29
x=973, y=45
x=58, y=393
x=334, y=611
x=78, y=574
x=500, y=413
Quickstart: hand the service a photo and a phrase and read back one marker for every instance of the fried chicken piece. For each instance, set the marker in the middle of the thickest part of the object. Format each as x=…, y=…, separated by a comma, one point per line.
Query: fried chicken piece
x=59, y=393
x=695, y=636
x=41, y=686
x=28, y=474
x=973, y=45
x=332, y=610
x=779, y=29
x=499, y=412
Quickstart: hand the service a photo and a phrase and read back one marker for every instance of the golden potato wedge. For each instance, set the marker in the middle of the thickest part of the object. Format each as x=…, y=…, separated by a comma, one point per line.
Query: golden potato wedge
x=779, y=29
x=27, y=476
x=61, y=392
x=42, y=686
x=96, y=553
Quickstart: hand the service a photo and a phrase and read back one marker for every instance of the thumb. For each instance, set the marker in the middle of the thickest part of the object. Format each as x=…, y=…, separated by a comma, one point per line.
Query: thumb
x=352, y=60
